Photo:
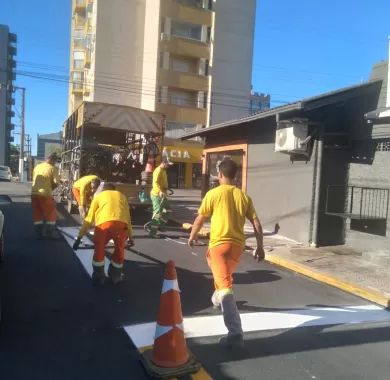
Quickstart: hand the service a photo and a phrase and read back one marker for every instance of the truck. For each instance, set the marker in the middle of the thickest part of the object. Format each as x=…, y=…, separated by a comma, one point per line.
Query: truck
x=119, y=144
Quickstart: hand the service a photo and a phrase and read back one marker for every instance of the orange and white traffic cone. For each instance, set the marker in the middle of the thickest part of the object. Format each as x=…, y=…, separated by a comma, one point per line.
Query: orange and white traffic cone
x=170, y=355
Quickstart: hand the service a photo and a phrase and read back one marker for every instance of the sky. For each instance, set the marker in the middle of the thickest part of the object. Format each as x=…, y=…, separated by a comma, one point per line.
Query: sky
x=302, y=48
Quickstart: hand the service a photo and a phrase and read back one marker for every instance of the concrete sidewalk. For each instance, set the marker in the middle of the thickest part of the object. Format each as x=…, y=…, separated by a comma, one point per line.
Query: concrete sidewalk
x=341, y=266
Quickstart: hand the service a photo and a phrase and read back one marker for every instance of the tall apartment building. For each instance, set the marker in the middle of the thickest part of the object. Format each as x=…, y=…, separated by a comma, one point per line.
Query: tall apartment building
x=7, y=76
x=188, y=59
x=259, y=102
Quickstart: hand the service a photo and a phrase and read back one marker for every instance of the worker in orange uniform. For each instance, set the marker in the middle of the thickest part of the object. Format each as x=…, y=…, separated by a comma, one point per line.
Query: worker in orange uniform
x=45, y=180
x=110, y=214
x=228, y=208
x=158, y=195
x=83, y=190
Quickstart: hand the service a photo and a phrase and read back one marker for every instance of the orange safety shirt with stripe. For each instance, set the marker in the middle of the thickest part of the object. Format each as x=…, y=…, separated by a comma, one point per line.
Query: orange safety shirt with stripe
x=45, y=177
x=228, y=207
x=107, y=206
x=83, y=186
x=160, y=181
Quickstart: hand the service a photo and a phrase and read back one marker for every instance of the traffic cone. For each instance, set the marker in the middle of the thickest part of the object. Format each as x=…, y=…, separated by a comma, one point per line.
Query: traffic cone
x=170, y=355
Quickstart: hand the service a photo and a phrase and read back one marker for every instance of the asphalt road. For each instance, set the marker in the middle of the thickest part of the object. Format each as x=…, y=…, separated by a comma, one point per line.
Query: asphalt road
x=56, y=325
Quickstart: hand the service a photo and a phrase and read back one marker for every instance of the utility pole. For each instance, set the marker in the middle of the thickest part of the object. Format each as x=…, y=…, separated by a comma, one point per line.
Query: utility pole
x=21, y=149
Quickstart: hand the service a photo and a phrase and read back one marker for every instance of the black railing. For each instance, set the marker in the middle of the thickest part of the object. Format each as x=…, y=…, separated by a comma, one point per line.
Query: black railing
x=356, y=202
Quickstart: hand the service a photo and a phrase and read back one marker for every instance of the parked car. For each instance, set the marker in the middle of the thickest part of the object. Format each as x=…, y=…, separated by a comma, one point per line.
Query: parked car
x=5, y=173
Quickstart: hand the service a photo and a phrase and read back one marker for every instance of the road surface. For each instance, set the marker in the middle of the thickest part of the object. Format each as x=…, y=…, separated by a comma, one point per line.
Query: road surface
x=56, y=325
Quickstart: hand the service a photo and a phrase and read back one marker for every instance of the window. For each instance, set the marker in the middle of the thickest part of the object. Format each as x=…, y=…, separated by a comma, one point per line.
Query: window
x=182, y=98
x=184, y=65
x=185, y=30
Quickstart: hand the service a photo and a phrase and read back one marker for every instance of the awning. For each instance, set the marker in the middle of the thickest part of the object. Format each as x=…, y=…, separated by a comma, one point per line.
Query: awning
x=183, y=152
x=120, y=118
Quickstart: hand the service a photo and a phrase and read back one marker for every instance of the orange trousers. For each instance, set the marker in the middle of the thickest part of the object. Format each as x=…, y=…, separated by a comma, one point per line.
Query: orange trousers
x=116, y=231
x=43, y=209
x=76, y=194
x=223, y=260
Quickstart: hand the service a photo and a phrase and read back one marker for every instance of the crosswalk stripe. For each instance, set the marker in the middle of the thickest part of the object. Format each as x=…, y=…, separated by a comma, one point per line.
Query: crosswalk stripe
x=213, y=325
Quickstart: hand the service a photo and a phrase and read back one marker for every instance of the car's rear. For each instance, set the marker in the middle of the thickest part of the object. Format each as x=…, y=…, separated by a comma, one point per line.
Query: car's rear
x=5, y=173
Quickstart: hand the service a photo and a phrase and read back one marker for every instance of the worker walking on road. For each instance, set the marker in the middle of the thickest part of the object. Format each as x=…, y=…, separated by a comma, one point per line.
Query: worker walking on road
x=83, y=190
x=158, y=195
x=110, y=214
x=228, y=208
x=45, y=180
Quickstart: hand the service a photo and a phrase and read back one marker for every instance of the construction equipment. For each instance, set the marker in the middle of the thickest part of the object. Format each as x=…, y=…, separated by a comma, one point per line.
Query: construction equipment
x=119, y=144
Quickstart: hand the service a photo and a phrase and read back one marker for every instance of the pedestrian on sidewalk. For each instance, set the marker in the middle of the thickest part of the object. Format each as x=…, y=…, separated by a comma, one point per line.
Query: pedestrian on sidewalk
x=228, y=207
x=110, y=214
x=159, y=196
x=44, y=214
x=83, y=190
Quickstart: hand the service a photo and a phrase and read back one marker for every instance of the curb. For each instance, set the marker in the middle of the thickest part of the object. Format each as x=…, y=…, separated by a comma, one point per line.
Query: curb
x=348, y=287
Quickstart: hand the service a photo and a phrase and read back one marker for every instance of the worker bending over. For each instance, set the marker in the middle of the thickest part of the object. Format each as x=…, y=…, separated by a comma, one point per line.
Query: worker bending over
x=110, y=214
x=158, y=194
x=45, y=180
x=228, y=207
x=83, y=190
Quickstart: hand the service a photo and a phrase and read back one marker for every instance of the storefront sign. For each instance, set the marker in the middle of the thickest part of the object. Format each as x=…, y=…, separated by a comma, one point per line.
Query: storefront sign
x=183, y=155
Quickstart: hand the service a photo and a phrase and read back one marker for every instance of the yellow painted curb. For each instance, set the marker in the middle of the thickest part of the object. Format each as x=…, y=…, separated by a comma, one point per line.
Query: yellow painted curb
x=349, y=287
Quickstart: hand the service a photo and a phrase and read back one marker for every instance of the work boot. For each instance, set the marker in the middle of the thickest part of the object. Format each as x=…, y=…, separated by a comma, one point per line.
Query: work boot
x=98, y=276
x=215, y=300
x=115, y=274
x=49, y=232
x=38, y=228
x=232, y=341
x=232, y=320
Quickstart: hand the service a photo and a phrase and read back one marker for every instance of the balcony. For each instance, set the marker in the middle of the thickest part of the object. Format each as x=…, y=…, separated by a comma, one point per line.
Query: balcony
x=77, y=78
x=11, y=126
x=187, y=81
x=11, y=63
x=87, y=59
x=184, y=47
x=186, y=115
x=12, y=50
x=184, y=11
x=79, y=6
x=12, y=38
x=88, y=26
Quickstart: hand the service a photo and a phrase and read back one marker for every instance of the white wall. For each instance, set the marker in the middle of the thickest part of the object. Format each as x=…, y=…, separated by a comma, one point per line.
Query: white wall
x=118, y=70
x=232, y=59
x=388, y=80
x=150, y=54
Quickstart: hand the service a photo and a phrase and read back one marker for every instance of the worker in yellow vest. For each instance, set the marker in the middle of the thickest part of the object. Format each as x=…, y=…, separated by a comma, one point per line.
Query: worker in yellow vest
x=228, y=207
x=158, y=195
x=83, y=190
x=110, y=214
x=44, y=214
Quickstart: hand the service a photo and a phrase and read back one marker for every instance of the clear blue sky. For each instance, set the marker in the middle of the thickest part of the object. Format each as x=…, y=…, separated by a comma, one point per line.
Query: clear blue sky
x=302, y=48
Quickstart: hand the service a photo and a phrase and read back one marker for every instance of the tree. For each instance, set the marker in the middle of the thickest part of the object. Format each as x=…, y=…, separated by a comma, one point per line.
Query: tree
x=14, y=159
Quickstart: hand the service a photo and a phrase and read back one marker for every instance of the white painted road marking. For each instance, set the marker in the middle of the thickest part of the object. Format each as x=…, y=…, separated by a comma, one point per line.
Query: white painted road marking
x=205, y=326
x=196, y=327
x=85, y=255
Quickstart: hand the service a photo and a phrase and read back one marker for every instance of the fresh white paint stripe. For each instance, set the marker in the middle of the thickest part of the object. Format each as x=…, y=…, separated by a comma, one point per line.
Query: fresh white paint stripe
x=142, y=335
x=85, y=255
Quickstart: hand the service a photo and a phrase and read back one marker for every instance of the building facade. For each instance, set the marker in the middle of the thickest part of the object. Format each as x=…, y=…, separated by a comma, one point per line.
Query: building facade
x=336, y=190
x=259, y=102
x=7, y=76
x=190, y=60
x=48, y=143
x=182, y=58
